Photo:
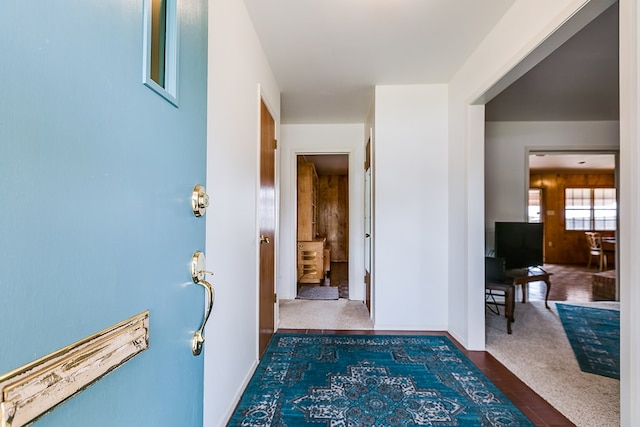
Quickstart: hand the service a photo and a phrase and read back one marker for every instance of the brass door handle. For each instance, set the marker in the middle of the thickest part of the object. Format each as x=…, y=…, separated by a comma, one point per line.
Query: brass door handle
x=198, y=273
x=264, y=239
x=198, y=339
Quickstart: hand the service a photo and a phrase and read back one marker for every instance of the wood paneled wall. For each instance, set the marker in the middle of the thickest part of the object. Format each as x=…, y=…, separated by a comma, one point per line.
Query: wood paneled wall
x=561, y=246
x=333, y=214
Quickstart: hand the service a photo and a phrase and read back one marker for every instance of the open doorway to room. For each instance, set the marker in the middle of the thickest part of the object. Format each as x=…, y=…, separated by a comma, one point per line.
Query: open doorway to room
x=574, y=195
x=568, y=103
x=322, y=255
x=326, y=206
x=554, y=134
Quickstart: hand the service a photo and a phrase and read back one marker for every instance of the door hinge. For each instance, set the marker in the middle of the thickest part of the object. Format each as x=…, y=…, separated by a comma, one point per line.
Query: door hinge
x=275, y=144
x=275, y=298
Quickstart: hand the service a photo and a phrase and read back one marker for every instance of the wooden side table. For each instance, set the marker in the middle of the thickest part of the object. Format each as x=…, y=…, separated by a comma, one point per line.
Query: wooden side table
x=527, y=275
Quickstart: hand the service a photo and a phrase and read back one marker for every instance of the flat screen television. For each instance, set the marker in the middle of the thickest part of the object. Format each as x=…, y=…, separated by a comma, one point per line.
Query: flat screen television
x=519, y=243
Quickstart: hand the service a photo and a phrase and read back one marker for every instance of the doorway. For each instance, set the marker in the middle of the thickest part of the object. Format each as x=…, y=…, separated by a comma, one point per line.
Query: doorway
x=575, y=195
x=322, y=236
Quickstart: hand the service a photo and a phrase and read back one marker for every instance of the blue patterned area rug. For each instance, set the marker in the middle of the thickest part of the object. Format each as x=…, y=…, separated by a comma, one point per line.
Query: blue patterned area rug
x=594, y=334
x=375, y=380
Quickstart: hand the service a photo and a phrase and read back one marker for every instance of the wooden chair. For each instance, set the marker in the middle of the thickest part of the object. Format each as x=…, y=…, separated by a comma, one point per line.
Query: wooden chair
x=594, y=240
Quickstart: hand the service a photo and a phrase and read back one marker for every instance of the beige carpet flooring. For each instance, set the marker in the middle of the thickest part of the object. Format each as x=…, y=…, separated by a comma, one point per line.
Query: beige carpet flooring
x=339, y=314
x=539, y=353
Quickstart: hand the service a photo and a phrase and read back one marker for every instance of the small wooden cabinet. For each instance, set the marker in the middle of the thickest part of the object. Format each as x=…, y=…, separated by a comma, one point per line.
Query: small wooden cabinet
x=311, y=268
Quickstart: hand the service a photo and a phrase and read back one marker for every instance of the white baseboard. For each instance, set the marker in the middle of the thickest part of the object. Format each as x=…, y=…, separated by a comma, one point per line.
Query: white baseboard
x=230, y=410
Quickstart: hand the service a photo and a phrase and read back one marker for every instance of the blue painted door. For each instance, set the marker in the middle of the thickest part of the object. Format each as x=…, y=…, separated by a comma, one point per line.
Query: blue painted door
x=96, y=174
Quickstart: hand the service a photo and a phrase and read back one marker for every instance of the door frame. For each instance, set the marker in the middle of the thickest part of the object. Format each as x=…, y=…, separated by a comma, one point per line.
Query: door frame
x=369, y=240
x=353, y=274
x=295, y=204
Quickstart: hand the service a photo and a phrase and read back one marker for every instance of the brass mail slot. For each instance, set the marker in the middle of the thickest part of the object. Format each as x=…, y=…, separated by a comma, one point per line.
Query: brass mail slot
x=32, y=390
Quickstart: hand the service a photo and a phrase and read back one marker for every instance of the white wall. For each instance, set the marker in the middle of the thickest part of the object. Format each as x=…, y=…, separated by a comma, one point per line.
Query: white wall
x=524, y=27
x=629, y=213
x=238, y=70
x=313, y=138
x=506, y=149
x=411, y=191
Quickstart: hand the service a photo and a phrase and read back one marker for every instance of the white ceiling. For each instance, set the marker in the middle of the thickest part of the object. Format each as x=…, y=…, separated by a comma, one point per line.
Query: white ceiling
x=327, y=55
x=338, y=164
x=583, y=161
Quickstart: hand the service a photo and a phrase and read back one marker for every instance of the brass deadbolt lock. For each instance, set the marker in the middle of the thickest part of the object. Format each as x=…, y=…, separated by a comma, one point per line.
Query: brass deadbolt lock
x=199, y=200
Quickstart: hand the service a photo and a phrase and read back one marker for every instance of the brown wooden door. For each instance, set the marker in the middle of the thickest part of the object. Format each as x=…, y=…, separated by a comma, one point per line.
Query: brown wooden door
x=267, y=221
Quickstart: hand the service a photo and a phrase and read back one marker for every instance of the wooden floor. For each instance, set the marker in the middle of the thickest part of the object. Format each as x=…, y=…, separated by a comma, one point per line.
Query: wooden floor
x=568, y=283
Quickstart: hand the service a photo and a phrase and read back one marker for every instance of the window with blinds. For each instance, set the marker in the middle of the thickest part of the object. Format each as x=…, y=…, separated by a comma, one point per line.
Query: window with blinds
x=534, y=207
x=590, y=209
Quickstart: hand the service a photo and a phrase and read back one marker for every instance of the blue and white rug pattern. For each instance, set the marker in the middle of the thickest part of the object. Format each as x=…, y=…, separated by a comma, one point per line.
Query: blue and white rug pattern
x=361, y=380
x=594, y=335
